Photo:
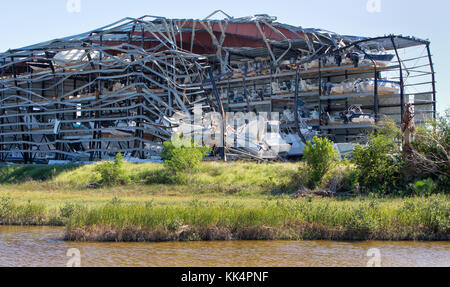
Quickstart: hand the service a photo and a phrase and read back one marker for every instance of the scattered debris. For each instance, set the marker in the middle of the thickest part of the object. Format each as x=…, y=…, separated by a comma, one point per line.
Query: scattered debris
x=323, y=193
x=93, y=186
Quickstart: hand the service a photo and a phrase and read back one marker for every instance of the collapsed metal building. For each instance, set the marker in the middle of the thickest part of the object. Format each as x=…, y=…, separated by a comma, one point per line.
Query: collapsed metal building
x=121, y=88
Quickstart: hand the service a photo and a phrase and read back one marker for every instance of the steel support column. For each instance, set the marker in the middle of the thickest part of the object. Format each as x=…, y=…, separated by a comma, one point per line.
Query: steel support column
x=402, y=84
x=433, y=79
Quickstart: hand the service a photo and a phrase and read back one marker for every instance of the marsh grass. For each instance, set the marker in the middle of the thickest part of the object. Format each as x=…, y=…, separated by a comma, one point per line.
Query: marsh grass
x=415, y=219
x=29, y=213
x=128, y=218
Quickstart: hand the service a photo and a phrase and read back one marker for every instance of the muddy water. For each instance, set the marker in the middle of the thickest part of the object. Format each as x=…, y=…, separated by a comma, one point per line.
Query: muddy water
x=42, y=246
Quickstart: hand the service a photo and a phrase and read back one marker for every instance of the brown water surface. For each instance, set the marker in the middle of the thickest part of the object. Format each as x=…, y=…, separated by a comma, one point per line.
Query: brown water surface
x=42, y=246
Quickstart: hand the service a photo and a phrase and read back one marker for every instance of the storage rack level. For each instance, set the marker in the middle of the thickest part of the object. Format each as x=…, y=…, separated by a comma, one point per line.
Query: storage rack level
x=375, y=103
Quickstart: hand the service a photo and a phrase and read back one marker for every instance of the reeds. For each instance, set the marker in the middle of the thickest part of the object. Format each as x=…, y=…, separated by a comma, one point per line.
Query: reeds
x=13, y=213
x=415, y=219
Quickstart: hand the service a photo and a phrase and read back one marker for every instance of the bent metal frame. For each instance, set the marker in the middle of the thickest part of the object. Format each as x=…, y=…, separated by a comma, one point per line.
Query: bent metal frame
x=117, y=88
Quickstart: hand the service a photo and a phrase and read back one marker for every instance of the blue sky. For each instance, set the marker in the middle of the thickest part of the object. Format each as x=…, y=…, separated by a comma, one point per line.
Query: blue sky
x=25, y=22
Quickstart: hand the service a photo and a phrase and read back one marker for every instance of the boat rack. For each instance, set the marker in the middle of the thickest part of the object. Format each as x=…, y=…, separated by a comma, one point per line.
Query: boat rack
x=122, y=87
x=380, y=104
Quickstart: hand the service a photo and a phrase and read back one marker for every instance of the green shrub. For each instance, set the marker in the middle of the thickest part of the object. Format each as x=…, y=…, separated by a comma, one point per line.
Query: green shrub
x=426, y=187
x=389, y=129
x=320, y=155
x=183, y=159
x=168, y=150
x=379, y=163
x=112, y=173
x=178, y=143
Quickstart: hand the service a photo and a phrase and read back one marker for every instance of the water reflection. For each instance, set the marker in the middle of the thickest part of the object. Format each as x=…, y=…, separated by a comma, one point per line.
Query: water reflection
x=42, y=246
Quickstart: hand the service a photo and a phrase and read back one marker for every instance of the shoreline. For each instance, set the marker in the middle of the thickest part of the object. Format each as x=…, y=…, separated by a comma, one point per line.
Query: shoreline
x=235, y=201
x=305, y=232
x=194, y=219
x=299, y=233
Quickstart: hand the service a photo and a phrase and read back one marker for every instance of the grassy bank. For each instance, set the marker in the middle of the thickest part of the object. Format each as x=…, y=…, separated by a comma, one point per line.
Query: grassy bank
x=239, y=179
x=235, y=201
x=414, y=219
x=179, y=219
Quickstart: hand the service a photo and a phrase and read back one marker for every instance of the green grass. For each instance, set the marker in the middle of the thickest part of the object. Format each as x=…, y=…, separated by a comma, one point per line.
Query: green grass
x=225, y=201
x=193, y=218
x=20, y=174
x=244, y=179
x=413, y=219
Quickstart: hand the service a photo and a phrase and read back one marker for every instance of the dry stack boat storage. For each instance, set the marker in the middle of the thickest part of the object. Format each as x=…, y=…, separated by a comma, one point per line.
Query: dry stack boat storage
x=129, y=86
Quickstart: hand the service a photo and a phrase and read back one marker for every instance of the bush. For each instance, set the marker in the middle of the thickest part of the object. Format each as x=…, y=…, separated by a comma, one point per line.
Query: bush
x=184, y=159
x=426, y=187
x=431, y=147
x=320, y=155
x=112, y=173
x=167, y=153
x=379, y=163
x=179, y=143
